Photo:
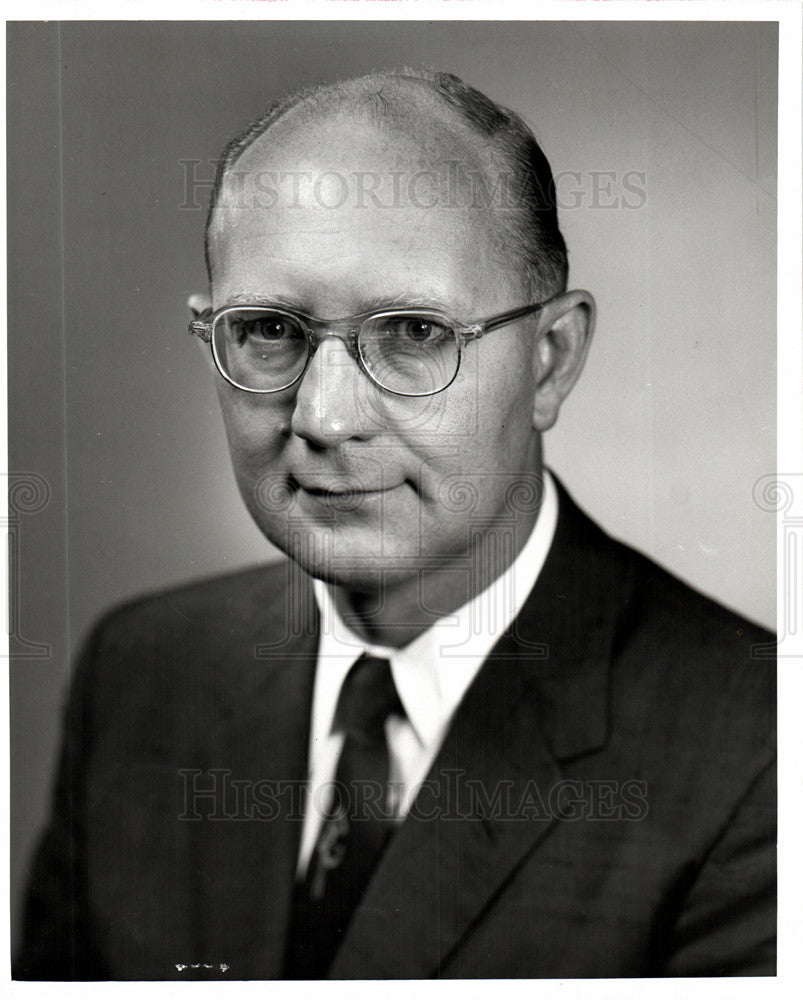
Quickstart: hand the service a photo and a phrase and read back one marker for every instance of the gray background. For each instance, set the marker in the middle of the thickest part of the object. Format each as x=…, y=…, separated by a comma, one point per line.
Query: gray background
x=113, y=406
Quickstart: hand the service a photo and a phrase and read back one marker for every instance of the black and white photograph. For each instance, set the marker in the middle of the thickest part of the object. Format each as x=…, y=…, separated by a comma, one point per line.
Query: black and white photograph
x=394, y=498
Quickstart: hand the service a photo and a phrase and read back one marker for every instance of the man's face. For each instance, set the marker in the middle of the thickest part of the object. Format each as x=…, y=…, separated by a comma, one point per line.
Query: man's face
x=346, y=477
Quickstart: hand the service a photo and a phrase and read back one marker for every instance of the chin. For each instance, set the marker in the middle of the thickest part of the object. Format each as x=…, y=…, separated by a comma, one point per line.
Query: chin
x=356, y=558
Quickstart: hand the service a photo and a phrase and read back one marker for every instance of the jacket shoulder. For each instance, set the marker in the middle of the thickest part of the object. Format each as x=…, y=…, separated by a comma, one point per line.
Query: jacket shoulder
x=651, y=597
x=230, y=601
x=680, y=660
x=193, y=644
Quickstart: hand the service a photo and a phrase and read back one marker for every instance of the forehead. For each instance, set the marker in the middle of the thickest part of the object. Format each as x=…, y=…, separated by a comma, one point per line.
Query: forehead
x=399, y=127
x=351, y=196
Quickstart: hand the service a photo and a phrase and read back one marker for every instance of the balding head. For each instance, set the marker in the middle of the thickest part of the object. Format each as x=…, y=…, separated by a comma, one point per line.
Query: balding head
x=455, y=147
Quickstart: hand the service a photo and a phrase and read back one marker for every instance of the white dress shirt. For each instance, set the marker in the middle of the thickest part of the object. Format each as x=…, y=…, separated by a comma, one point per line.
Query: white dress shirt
x=431, y=675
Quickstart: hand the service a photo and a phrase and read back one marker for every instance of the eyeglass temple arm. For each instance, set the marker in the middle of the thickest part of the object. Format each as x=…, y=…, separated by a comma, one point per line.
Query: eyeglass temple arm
x=201, y=327
x=475, y=332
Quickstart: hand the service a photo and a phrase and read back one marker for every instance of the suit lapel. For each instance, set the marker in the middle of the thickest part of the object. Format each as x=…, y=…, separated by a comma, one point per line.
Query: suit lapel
x=264, y=690
x=540, y=698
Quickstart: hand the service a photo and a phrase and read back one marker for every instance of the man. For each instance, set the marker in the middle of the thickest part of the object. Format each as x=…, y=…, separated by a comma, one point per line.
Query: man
x=460, y=732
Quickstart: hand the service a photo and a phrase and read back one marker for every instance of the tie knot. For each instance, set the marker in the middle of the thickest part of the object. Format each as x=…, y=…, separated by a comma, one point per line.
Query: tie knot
x=367, y=698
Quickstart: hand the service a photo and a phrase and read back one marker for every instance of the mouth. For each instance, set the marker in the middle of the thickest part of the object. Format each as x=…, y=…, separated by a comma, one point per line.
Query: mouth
x=333, y=488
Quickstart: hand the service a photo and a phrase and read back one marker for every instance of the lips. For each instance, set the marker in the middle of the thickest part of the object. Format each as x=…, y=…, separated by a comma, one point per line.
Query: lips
x=327, y=486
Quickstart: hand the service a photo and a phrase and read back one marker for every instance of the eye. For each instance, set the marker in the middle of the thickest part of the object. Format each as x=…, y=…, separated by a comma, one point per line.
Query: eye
x=263, y=327
x=415, y=329
x=418, y=329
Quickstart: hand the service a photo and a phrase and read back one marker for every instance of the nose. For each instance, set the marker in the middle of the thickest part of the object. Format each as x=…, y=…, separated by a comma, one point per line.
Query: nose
x=331, y=403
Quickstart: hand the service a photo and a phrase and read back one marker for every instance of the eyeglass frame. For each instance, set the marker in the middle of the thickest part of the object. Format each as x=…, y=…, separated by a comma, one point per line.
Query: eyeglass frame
x=316, y=330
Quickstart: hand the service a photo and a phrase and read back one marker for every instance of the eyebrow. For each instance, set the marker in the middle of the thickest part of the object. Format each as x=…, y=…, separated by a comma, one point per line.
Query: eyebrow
x=403, y=300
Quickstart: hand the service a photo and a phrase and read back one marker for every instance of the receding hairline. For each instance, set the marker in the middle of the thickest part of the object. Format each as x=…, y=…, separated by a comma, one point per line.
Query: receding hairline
x=497, y=137
x=387, y=101
x=391, y=99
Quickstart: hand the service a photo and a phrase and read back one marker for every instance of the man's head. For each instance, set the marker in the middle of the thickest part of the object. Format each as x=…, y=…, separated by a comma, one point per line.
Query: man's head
x=395, y=191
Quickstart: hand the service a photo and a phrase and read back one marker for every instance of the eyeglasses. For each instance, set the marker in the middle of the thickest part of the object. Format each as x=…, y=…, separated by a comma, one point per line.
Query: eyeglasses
x=409, y=352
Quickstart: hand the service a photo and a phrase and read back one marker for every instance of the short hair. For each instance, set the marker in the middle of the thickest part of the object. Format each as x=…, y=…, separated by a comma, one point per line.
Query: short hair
x=536, y=239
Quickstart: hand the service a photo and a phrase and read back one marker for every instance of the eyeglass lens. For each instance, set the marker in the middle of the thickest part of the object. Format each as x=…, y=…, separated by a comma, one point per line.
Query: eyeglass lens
x=267, y=350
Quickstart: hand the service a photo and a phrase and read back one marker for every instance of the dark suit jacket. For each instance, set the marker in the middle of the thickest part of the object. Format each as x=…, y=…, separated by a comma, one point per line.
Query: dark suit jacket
x=607, y=796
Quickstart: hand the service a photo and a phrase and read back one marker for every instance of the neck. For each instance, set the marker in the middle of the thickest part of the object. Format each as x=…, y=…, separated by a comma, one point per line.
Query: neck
x=402, y=606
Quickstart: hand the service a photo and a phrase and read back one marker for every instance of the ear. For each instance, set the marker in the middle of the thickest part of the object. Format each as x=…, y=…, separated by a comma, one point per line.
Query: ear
x=566, y=325
x=197, y=303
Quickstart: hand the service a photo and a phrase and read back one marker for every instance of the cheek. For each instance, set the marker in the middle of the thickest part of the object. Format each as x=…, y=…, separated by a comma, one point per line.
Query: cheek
x=506, y=401
x=488, y=410
x=486, y=441
x=254, y=428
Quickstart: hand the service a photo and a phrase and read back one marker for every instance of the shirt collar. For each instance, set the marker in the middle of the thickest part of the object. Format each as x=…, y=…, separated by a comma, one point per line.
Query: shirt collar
x=433, y=671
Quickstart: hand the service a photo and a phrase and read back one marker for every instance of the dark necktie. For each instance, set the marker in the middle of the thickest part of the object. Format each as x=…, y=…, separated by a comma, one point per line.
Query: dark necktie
x=357, y=825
